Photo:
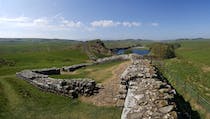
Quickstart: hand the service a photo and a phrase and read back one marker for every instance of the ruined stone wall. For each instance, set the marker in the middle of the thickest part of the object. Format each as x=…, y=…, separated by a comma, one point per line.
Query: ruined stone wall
x=69, y=87
x=48, y=71
x=146, y=95
x=75, y=67
x=98, y=61
x=114, y=58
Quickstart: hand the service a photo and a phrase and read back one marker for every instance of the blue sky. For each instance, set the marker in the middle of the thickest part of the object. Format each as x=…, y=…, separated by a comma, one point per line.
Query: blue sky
x=105, y=19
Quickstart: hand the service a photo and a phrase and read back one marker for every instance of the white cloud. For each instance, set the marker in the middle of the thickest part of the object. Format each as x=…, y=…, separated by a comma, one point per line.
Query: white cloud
x=130, y=24
x=40, y=21
x=44, y=22
x=18, y=19
x=67, y=23
x=111, y=23
x=155, y=24
x=104, y=23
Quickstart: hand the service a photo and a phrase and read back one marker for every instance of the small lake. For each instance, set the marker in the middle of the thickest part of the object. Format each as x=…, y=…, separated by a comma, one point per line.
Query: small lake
x=137, y=51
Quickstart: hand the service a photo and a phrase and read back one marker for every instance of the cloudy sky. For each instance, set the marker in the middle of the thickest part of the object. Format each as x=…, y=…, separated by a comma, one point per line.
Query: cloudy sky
x=105, y=19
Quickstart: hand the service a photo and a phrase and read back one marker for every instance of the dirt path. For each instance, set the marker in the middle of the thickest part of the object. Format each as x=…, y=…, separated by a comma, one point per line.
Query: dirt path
x=107, y=96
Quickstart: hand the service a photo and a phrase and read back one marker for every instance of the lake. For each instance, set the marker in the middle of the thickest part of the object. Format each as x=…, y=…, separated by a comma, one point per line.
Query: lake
x=137, y=51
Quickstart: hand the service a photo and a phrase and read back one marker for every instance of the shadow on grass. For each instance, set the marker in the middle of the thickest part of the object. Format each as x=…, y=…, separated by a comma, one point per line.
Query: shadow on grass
x=184, y=109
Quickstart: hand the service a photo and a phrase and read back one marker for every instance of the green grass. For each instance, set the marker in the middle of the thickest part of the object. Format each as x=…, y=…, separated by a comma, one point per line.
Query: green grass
x=192, y=56
x=99, y=72
x=27, y=55
x=20, y=100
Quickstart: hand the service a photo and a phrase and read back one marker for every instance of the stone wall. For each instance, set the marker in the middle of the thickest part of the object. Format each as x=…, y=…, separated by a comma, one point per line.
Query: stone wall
x=75, y=67
x=48, y=71
x=114, y=58
x=98, y=61
x=69, y=87
x=146, y=95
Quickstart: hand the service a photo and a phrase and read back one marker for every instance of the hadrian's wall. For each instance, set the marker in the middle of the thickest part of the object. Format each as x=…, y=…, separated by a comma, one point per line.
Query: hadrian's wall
x=72, y=87
x=146, y=94
x=68, y=87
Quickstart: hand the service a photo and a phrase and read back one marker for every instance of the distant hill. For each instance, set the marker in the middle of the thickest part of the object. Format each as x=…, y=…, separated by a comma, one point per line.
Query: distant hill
x=126, y=43
x=36, y=40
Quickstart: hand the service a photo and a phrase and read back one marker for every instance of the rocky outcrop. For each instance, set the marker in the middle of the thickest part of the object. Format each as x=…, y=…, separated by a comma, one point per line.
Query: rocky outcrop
x=146, y=95
x=69, y=87
x=96, y=49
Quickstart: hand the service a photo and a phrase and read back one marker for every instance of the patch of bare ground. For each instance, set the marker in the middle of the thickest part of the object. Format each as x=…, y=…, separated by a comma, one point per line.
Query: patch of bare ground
x=107, y=95
x=205, y=69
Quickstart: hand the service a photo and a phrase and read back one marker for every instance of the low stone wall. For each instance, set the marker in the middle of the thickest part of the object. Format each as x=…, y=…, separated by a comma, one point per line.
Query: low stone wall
x=114, y=58
x=48, y=71
x=146, y=95
x=72, y=87
x=98, y=61
x=75, y=67
x=69, y=87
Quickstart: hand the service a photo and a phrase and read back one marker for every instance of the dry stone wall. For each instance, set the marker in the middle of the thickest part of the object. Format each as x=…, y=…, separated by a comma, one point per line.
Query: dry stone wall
x=114, y=58
x=48, y=71
x=69, y=87
x=146, y=95
x=75, y=67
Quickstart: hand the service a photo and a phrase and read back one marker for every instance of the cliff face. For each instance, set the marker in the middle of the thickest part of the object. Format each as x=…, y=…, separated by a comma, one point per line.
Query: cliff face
x=96, y=49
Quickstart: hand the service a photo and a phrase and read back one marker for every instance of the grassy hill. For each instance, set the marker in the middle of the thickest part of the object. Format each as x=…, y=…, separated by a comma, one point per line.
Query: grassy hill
x=20, y=100
x=192, y=66
x=126, y=43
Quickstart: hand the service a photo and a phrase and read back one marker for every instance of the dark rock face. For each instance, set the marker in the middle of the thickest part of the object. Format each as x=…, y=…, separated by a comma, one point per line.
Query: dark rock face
x=72, y=87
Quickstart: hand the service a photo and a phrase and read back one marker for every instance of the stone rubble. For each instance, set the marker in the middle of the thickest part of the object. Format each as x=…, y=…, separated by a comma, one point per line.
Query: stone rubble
x=146, y=95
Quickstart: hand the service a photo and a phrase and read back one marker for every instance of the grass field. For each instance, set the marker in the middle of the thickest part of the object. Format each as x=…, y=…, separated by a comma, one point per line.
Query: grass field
x=98, y=72
x=19, y=100
x=192, y=66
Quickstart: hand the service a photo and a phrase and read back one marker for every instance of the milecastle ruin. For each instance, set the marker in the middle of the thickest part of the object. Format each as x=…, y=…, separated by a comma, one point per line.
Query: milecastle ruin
x=146, y=95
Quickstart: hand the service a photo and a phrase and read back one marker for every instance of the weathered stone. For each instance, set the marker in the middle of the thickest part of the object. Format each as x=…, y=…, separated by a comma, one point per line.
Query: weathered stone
x=146, y=97
x=164, y=90
x=166, y=109
x=161, y=103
